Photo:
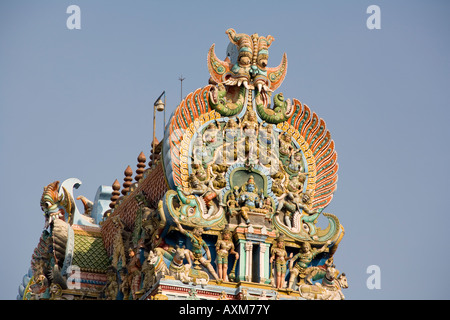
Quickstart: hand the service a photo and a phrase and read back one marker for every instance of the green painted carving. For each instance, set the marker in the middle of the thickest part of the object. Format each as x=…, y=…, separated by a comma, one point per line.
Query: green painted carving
x=304, y=228
x=194, y=210
x=227, y=101
x=281, y=111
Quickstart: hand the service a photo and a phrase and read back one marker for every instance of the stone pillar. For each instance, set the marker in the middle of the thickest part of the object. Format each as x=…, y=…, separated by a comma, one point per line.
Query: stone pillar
x=263, y=262
x=242, y=259
x=248, y=260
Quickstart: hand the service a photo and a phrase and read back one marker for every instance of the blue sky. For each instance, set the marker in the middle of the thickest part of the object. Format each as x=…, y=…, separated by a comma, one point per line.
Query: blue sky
x=78, y=103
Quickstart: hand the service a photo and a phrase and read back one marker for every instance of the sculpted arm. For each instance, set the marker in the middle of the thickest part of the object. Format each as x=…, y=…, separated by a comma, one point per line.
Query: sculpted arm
x=323, y=249
x=232, y=251
x=208, y=253
x=177, y=222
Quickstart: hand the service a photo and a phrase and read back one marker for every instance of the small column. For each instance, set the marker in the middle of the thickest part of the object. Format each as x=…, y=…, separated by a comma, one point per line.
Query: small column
x=248, y=260
x=263, y=262
x=242, y=259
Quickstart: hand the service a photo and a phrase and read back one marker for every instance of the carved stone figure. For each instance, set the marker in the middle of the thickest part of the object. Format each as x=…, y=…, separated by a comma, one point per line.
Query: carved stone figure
x=329, y=289
x=134, y=272
x=154, y=268
x=124, y=283
x=198, y=244
x=302, y=266
x=249, y=198
x=112, y=287
x=121, y=241
x=224, y=247
x=280, y=257
x=286, y=147
x=177, y=268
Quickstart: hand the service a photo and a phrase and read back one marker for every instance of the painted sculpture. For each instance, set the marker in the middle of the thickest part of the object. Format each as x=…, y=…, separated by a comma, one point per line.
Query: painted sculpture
x=227, y=209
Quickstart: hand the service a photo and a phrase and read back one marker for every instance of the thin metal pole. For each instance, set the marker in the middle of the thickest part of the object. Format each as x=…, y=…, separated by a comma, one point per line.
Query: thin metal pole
x=164, y=127
x=153, y=142
x=154, y=124
x=181, y=80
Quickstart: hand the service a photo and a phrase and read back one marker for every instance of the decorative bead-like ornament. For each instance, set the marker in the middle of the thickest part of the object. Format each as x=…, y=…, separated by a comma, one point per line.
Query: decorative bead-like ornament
x=140, y=166
x=127, y=180
x=115, y=194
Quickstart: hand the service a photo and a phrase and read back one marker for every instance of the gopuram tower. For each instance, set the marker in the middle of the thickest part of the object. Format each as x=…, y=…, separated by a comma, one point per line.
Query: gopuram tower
x=226, y=208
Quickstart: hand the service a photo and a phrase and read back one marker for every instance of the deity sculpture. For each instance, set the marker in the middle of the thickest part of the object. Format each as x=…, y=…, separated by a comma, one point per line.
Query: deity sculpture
x=134, y=272
x=279, y=255
x=125, y=284
x=249, y=197
x=295, y=162
x=198, y=244
x=112, y=288
x=286, y=147
x=301, y=267
x=202, y=189
x=224, y=247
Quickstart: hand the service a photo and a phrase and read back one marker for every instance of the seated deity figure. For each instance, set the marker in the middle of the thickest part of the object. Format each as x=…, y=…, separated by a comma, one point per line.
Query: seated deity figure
x=249, y=198
x=295, y=163
x=202, y=189
x=286, y=145
x=211, y=134
x=233, y=205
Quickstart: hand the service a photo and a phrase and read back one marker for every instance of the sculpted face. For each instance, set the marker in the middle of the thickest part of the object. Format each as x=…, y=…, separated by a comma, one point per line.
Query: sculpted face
x=198, y=232
x=251, y=65
x=306, y=247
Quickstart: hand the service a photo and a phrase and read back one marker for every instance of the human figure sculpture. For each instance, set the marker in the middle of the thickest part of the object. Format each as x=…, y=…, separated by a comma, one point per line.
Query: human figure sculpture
x=286, y=145
x=204, y=190
x=249, y=198
x=111, y=288
x=197, y=245
x=224, y=247
x=134, y=272
x=295, y=162
x=302, y=268
x=280, y=257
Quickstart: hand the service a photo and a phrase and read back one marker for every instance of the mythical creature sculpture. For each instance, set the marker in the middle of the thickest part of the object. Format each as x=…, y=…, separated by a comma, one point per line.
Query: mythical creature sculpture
x=329, y=289
x=282, y=109
x=154, y=268
x=58, y=206
x=228, y=101
x=250, y=69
